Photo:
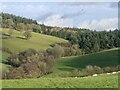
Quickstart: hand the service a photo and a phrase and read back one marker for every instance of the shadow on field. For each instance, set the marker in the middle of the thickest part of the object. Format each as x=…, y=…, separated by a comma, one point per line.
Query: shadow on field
x=66, y=69
x=21, y=38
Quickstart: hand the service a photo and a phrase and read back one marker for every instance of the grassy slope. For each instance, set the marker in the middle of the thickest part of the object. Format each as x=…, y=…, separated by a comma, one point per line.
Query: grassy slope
x=38, y=41
x=107, y=58
x=102, y=59
x=3, y=57
x=103, y=81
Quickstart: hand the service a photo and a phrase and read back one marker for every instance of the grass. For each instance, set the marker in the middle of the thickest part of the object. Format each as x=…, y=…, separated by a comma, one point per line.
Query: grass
x=102, y=59
x=37, y=41
x=65, y=64
x=103, y=81
x=4, y=57
x=18, y=43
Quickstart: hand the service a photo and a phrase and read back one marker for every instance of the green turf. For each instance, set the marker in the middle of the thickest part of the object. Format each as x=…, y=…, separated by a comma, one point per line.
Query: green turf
x=103, y=81
x=3, y=57
x=37, y=41
x=18, y=43
x=41, y=42
x=102, y=59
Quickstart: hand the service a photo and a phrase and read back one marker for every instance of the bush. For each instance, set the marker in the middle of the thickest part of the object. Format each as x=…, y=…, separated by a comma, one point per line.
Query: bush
x=8, y=50
x=118, y=67
x=30, y=63
x=75, y=73
x=27, y=34
x=97, y=70
x=14, y=60
x=16, y=73
x=57, y=51
x=90, y=70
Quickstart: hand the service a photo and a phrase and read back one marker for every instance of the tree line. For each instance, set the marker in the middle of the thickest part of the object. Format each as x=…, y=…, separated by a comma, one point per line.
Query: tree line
x=88, y=40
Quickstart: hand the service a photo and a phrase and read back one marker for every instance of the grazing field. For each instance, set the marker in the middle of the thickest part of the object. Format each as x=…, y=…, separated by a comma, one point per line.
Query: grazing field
x=3, y=57
x=102, y=59
x=65, y=64
x=102, y=81
x=18, y=43
x=37, y=41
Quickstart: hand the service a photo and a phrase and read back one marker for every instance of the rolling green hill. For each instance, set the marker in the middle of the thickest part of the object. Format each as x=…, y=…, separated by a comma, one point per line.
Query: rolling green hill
x=102, y=59
x=37, y=41
x=105, y=58
x=18, y=43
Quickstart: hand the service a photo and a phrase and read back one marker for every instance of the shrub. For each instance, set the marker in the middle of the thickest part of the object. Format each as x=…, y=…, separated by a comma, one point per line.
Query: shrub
x=16, y=73
x=118, y=67
x=97, y=70
x=89, y=69
x=8, y=50
x=27, y=34
x=75, y=73
x=57, y=51
x=14, y=60
x=106, y=69
x=30, y=63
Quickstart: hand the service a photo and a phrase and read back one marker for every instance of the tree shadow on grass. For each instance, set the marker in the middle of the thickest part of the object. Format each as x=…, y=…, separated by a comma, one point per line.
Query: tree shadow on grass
x=21, y=38
x=5, y=34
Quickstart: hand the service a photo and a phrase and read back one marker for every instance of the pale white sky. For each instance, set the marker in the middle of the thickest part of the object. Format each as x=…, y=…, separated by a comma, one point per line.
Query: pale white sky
x=59, y=0
x=102, y=15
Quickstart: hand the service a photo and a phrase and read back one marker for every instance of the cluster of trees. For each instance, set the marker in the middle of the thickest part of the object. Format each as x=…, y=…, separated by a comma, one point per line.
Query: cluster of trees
x=91, y=41
x=71, y=49
x=32, y=63
x=16, y=19
x=17, y=22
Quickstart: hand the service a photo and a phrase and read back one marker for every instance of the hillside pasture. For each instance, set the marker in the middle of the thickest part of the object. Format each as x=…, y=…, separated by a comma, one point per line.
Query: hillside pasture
x=103, y=81
x=102, y=59
x=37, y=41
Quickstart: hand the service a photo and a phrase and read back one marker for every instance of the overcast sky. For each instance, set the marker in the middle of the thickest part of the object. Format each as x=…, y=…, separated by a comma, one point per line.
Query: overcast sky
x=95, y=16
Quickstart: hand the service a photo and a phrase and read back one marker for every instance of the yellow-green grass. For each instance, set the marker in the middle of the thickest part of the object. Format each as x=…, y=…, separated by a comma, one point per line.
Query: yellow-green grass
x=102, y=59
x=37, y=41
x=3, y=57
x=18, y=43
x=102, y=81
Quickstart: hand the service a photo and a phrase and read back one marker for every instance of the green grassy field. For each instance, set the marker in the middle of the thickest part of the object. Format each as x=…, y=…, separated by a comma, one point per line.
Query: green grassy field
x=65, y=64
x=3, y=57
x=18, y=43
x=37, y=41
x=102, y=81
x=102, y=59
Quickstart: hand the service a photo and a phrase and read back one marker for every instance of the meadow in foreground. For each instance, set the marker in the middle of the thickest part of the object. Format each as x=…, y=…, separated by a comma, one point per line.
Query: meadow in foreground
x=102, y=81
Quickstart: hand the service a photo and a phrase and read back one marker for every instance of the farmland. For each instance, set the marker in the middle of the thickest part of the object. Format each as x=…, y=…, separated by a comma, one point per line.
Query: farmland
x=67, y=64
x=37, y=41
x=102, y=59
x=43, y=46
x=103, y=81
